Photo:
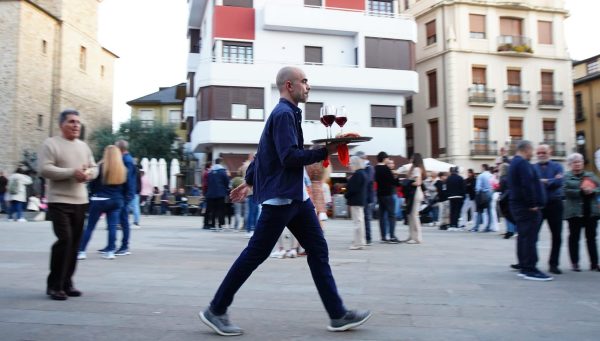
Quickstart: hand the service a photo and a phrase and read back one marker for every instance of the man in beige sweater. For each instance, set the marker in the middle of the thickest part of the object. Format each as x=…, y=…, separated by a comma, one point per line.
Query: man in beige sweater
x=67, y=164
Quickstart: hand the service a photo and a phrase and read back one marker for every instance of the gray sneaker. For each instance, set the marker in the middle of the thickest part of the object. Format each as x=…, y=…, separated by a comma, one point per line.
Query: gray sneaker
x=220, y=323
x=352, y=319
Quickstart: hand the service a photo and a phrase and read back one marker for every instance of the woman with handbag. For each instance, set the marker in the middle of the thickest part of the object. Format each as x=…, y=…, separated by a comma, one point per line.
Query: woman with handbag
x=581, y=189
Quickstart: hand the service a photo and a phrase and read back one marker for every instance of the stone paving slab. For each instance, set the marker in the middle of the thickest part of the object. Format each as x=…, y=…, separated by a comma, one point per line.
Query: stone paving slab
x=455, y=286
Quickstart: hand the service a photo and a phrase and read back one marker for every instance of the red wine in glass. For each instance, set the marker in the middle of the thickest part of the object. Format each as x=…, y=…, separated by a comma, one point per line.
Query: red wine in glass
x=341, y=120
x=328, y=120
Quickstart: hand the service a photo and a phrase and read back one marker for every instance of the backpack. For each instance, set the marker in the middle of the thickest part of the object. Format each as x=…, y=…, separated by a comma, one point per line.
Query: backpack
x=13, y=186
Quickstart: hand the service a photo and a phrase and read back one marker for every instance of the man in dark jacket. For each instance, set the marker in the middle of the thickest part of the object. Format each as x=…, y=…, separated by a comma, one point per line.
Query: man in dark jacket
x=551, y=176
x=277, y=178
x=386, y=190
x=526, y=200
x=455, y=192
x=369, y=173
x=218, y=187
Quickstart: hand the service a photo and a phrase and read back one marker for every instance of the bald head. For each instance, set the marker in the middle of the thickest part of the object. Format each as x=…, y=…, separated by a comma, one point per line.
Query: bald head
x=292, y=84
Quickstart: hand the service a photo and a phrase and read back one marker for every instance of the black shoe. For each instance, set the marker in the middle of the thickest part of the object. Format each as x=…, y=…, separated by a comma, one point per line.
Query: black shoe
x=555, y=270
x=57, y=295
x=576, y=268
x=72, y=292
x=515, y=266
x=393, y=241
x=352, y=319
x=507, y=235
x=384, y=240
x=595, y=268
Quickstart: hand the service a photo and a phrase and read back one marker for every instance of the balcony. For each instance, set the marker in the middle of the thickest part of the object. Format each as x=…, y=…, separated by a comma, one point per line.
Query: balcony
x=294, y=16
x=559, y=149
x=482, y=96
x=483, y=148
x=550, y=100
x=515, y=45
x=516, y=98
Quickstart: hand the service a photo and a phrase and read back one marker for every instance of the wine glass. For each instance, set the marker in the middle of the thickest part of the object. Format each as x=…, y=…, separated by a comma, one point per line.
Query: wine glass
x=341, y=117
x=328, y=117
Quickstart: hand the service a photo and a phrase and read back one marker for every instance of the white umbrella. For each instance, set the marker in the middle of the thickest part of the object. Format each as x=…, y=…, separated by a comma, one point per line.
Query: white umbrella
x=431, y=165
x=145, y=164
x=173, y=174
x=153, y=172
x=162, y=173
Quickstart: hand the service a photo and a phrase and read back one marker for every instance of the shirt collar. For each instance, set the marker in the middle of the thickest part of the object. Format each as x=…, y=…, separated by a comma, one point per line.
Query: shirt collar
x=294, y=108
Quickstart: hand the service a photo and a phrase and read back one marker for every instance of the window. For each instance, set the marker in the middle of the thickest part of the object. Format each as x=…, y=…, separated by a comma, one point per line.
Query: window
x=313, y=55
x=406, y=4
x=228, y=102
x=549, y=130
x=545, y=32
x=40, y=121
x=409, y=105
x=381, y=6
x=579, y=113
x=592, y=67
x=410, y=140
x=515, y=126
x=174, y=116
x=316, y=3
x=82, y=58
x=44, y=46
x=477, y=26
x=430, y=32
x=238, y=3
x=479, y=80
x=432, y=86
x=514, y=94
x=481, y=129
x=435, y=139
x=383, y=116
x=511, y=27
x=194, y=35
x=147, y=117
x=381, y=53
x=238, y=52
x=101, y=71
x=239, y=111
x=312, y=111
x=547, y=86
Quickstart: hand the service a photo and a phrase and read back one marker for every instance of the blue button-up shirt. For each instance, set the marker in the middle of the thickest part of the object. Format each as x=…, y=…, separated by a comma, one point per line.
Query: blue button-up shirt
x=278, y=168
x=483, y=183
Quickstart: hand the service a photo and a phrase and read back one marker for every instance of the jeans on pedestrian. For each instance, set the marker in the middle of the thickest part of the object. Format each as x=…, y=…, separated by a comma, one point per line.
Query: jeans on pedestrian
x=387, y=220
x=434, y=213
x=124, y=221
x=251, y=213
x=3, y=205
x=553, y=213
x=368, y=216
x=528, y=224
x=301, y=220
x=468, y=205
x=112, y=208
x=455, y=206
x=16, y=207
x=510, y=227
x=67, y=223
x=134, y=207
x=487, y=208
x=237, y=214
x=398, y=202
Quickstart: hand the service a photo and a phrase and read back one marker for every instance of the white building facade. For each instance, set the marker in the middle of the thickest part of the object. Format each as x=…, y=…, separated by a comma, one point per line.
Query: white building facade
x=491, y=73
x=353, y=57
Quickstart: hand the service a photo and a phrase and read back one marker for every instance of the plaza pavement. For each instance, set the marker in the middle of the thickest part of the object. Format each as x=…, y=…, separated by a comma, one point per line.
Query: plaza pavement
x=455, y=286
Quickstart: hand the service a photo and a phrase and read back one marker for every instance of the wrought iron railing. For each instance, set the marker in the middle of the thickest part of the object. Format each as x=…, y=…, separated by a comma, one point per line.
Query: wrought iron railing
x=519, y=44
x=483, y=147
x=516, y=97
x=550, y=98
x=482, y=95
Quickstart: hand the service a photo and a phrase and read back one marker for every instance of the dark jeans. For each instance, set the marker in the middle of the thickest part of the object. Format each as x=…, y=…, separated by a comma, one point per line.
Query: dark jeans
x=368, y=216
x=528, y=225
x=251, y=213
x=575, y=225
x=124, y=221
x=16, y=208
x=215, y=210
x=67, y=222
x=553, y=213
x=387, y=217
x=112, y=208
x=3, y=206
x=301, y=220
x=455, y=207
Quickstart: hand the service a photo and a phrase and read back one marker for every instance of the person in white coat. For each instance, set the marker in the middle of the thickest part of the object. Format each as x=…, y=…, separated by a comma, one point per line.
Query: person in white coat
x=17, y=190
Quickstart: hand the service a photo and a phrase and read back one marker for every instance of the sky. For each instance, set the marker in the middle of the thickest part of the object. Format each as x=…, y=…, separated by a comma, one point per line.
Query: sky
x=150, y=37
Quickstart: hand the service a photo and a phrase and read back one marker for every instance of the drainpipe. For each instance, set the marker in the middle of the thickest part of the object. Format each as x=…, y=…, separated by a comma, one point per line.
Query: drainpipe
x=447, y=136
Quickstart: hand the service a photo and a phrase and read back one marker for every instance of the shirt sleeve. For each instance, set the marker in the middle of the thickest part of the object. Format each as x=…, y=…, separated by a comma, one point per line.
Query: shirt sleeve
x=285, y=137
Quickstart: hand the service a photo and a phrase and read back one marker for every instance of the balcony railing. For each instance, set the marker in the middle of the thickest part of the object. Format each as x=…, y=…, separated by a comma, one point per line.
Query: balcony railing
x=519, y=44
x=558, y=148
x=482, y=96
x=550, y=100
x=516, y=98
x=483, y=147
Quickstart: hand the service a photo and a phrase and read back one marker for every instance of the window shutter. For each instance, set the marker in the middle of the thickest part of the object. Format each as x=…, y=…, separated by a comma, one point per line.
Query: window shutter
x=477, y=23
x=383, y=111
x=514, y=77
x=478, y=75
x=549, y=125
x=430, y=28
x=432, y=86
x=481, y=123
x=313, y=54
x=547, y=82
x=516, y=128
x=312, y=111
x=545, y=32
